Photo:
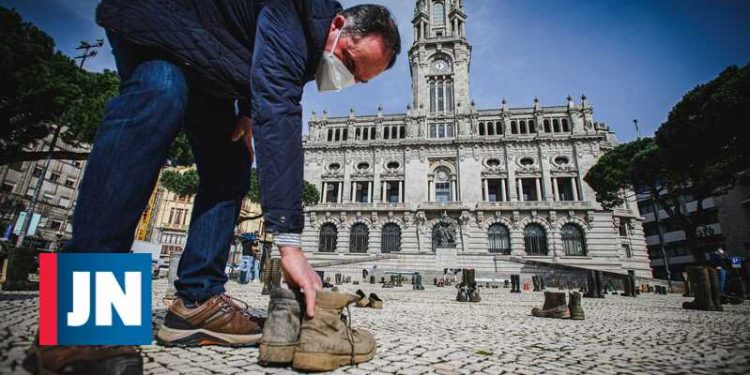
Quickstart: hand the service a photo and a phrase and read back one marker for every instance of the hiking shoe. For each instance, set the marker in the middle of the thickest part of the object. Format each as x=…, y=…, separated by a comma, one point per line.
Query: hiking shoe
x=375, y=302
x=281, y=329
x=83, y=360
x=363, y=301
x=574, y=305
x=327, y=341
x=554, y=307
x=220, y=320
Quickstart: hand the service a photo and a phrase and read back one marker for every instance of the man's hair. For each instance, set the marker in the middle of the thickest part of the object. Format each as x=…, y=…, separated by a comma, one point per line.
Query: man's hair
x=367, y=19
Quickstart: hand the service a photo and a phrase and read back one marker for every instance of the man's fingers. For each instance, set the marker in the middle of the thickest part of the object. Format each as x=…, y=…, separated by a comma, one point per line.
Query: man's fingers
x=310, y=301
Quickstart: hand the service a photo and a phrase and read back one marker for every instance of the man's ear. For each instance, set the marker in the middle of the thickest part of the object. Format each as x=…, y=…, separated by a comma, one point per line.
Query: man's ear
x=337, y=23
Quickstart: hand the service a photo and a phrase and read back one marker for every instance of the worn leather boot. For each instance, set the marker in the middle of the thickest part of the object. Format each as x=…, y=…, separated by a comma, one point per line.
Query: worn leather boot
x=281, y=329
x=715, y=282
x=554, y=306
x=474, y=295
x=463, y=294
x=574, y=305
x=701, y=286
x=83, y=360
x=327, y=341
x=363, y=301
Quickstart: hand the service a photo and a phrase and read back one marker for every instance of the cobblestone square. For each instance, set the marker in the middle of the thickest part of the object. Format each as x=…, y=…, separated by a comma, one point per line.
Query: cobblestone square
x=421, y=332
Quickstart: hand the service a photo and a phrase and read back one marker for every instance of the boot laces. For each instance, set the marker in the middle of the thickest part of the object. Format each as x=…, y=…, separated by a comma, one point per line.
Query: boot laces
x=347, y=318
x=234, y=305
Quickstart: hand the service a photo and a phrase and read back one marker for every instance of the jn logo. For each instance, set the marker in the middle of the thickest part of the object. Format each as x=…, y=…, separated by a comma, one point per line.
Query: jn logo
x=95, y=299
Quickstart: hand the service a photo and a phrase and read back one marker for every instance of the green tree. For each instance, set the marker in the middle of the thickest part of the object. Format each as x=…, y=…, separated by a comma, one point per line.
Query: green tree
x=310, y=195
x=180, y=182
x=41, y=89
x=699, y=152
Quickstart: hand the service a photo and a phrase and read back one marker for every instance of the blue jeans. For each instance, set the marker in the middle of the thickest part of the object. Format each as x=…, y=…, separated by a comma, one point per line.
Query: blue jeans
x=156, y=101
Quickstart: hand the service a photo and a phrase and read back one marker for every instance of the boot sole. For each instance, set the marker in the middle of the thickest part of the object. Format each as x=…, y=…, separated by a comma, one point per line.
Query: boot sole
x=316, y=362
x=203, y=337
x=276, y=354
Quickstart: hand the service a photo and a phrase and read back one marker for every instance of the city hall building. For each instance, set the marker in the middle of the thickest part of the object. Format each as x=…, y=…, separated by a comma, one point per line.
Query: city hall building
x=447, y=185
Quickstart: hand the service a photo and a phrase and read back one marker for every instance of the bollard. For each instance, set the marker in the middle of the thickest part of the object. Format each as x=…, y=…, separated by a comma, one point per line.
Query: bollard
x=174, y=261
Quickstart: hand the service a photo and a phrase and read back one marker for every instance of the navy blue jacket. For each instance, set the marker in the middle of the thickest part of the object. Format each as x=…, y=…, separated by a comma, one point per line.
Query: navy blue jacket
x=259, y=51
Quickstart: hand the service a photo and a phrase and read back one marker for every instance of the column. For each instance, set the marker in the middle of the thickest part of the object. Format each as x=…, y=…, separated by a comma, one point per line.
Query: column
x=502, y=190
x=520, y=190
x=486, y=190
x=341, y=191
x=574, y=184
x=453, y=191
x=382, y=192
x=555, y=188
x=369, y=192
x=325, y=192
x=538, y=189
x=401, y=191
x=431, y=190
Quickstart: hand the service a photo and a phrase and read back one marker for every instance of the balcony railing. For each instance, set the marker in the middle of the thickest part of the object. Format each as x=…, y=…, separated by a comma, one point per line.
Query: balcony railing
x=536, y=204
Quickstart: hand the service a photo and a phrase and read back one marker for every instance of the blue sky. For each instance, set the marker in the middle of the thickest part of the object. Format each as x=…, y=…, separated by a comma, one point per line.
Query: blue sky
x=633, y=59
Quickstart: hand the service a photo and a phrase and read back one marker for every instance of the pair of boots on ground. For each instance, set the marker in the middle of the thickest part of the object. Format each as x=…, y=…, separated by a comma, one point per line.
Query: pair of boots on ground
x=467, y=289
x=555, y=306
x=373, y=301
x=706, y=286
x=322, y=343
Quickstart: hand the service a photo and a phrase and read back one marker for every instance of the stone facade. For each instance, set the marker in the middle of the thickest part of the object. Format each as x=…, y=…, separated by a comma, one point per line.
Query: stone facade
x=504, y=181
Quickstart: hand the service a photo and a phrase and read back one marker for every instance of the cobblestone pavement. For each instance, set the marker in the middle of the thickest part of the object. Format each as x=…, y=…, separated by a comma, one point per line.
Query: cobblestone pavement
x=428, y=332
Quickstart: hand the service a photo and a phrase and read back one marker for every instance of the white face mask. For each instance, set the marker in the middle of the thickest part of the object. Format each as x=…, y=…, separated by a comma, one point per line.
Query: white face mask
x=332, y=74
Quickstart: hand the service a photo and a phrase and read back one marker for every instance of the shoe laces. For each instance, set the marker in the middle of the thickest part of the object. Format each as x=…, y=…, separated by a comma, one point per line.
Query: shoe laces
x=235, y=305
x=347, y=318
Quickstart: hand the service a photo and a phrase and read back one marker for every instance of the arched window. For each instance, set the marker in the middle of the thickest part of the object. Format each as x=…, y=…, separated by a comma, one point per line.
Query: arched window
x=386, y=132
x=358, y=238
x=481, y=128
x=394, y=132
x=513, y=127
x=535, y=240
x=490, y=129
x=391, y=240
x=330, y=135
x=556, y=125
x=546, y=126
x=522, y=125
x=499, y=129
x=372, y=133
x=328, y=235
x=499, y=239
x=438, y=13
x=565, y=127
x=532, y=126
x=402, y=132
x=573, y=240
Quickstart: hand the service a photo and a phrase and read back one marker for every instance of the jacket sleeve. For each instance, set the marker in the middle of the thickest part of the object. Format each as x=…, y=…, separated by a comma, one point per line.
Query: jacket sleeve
x=279, y=62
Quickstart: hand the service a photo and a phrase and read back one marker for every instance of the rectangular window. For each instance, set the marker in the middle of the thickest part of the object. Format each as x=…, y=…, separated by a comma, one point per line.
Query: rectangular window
x=432, y=97
x=626, y=250
x=623, y=229
x=54, y=177
x=529, y=189
x=565, y=189
x=433, y=131
x=55, y=225
x=450, y=131
x=494, y=192
x=440, y=93
x=8, y=187
x=65, y=202
x=442, y=192
x=37, y=172
x=441, y=131
x=449, y=96
x=70, y=182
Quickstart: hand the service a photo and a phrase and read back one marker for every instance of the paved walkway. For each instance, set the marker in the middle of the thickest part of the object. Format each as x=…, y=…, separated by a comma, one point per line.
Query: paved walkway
x=428, y=332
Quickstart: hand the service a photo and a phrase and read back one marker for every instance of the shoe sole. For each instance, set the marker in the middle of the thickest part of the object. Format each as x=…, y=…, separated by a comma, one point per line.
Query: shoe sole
x=202, y=337
x=276, y=354
x=317, y=362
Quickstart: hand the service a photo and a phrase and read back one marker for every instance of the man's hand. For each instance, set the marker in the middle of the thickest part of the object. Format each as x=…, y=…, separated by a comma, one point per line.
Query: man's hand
x=244, y=130
x=298, y=273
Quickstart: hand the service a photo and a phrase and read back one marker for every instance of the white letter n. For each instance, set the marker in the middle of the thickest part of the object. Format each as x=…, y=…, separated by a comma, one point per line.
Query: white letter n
x=109, y=295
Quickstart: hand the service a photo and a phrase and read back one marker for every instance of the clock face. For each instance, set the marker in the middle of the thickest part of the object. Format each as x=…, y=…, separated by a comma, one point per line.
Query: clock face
x=440, y=65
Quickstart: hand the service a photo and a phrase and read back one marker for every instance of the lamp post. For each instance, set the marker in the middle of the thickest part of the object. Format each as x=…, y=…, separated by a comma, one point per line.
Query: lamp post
x=89, y=50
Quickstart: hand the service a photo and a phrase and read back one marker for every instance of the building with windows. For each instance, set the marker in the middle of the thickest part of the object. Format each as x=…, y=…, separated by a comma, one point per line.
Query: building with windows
x=447, y=185
x=59, y=189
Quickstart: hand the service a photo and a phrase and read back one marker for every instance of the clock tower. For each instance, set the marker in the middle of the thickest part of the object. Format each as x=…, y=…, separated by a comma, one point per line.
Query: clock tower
x=439, y=59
